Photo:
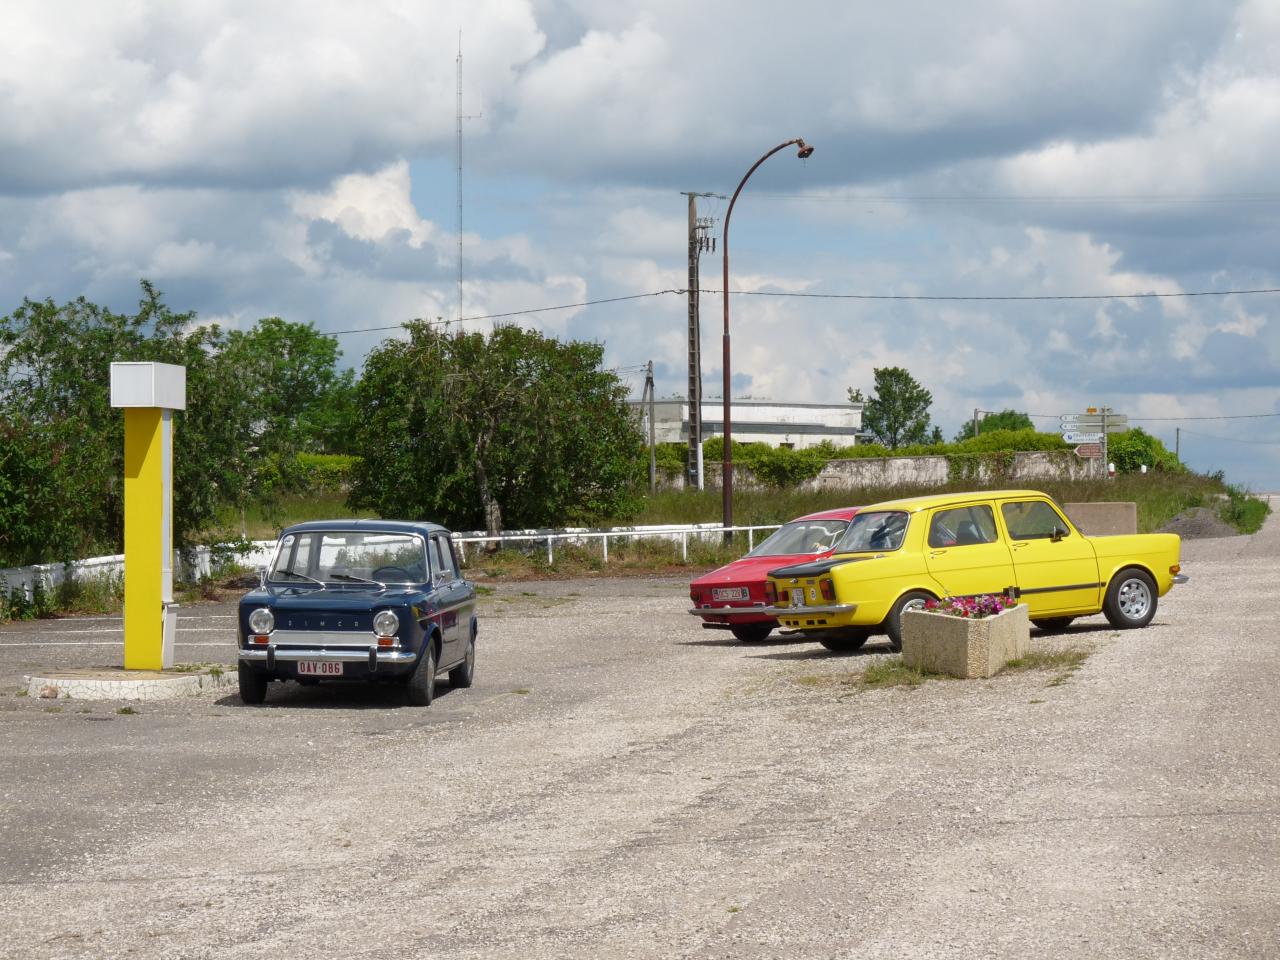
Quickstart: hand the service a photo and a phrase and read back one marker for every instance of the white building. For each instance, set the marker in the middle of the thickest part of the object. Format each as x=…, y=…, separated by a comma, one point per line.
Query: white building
x=796, y=425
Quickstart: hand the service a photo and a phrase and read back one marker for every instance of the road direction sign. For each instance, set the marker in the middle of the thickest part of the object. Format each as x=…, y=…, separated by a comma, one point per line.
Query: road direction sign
x=1082, y=436
x=1072, y=421
x=1089, y=451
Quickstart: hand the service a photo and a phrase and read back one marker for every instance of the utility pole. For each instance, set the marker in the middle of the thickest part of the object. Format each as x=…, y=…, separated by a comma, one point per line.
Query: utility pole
x=699, y=241
x=976, y=411
x=647, y=395
x=1177, y=444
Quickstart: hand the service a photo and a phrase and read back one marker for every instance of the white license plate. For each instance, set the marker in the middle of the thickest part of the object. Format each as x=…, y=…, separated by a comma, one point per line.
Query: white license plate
x=797, y=596
x=320, y=668
x=729, y=593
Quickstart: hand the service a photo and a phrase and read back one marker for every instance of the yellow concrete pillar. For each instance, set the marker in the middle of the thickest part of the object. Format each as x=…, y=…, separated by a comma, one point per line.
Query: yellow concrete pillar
x=149, y=393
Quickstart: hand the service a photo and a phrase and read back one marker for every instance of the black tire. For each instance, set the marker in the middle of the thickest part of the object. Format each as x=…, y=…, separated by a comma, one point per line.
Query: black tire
x=464, y=674
x=253, y=685
x=1131, y=599
x=845, y=641
x=893, y=622
x=751, y=632
x=422, y=682
x=1053, y=624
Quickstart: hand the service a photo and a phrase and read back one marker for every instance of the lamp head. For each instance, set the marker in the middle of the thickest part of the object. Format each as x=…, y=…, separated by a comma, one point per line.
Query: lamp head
x=805, y=151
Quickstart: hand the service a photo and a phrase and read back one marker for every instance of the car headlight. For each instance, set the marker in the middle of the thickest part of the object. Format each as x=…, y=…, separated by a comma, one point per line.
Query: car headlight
x=261, y=621
x=385, y=623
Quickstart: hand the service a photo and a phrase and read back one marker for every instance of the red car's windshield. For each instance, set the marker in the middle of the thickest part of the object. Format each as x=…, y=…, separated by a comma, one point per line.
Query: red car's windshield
x=801, y=536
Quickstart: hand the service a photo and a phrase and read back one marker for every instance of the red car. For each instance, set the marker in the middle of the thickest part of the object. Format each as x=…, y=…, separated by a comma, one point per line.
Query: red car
x=726, y=598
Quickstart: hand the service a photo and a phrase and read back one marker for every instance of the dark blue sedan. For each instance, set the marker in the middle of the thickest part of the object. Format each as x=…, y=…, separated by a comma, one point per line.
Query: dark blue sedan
x=367, y=600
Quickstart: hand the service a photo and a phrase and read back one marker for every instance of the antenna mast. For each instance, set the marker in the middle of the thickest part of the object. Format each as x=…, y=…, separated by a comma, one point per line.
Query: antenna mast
x=460, y=117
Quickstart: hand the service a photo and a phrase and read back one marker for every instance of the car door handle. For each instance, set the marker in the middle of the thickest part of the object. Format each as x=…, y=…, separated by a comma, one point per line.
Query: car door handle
x=937, y=553
x=1019, y=545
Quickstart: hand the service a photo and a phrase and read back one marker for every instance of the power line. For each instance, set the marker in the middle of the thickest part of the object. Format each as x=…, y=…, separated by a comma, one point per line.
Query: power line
x=1045, y=296
x=1209, y=436
x=824, y=296
x=1031, y=198
x=1232, y=416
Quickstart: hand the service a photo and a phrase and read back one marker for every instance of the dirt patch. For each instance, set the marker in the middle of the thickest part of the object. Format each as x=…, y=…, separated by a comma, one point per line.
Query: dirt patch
x=1199, y=523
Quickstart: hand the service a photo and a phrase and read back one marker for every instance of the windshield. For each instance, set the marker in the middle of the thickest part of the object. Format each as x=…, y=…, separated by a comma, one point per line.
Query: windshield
x=882, y=530
x=800, y=536
x=321, y=557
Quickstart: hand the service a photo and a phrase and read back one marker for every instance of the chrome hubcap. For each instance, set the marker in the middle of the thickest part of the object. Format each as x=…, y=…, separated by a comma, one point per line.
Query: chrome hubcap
x=1134, y=599
x=913, y=605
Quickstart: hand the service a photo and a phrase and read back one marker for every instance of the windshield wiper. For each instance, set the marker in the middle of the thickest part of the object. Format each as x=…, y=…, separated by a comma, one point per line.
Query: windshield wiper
x=354, y=579
x=301, y=576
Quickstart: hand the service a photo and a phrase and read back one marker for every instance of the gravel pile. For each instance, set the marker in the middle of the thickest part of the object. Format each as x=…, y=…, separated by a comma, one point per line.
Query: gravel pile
x=1199, y=523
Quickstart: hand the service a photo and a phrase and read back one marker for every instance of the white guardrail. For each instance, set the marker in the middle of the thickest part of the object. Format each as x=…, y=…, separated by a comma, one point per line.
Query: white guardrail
x=54, y=574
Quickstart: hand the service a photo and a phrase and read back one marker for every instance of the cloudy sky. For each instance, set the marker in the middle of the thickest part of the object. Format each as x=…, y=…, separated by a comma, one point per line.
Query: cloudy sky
x=298, y=159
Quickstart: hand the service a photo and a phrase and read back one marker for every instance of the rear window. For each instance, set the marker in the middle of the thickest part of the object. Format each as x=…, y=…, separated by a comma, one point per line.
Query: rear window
x=882, y=530
x=801, y=536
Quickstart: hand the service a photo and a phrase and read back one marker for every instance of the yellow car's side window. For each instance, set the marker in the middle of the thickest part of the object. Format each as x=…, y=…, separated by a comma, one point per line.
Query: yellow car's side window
x=962, y=527
x=1033, y=520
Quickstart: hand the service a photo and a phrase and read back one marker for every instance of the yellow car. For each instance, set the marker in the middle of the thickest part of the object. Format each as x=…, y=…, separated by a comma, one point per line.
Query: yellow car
x=897, y=555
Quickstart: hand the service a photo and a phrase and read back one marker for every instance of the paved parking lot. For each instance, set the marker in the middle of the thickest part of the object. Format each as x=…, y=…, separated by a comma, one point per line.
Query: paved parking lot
x=620, y=783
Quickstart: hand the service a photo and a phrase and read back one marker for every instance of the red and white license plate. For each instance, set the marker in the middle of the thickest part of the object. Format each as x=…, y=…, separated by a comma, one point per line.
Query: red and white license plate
x=729, y=593
x=319, y=668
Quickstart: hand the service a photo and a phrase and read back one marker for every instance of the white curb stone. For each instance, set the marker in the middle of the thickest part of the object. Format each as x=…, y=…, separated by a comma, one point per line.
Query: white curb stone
x=126, y=685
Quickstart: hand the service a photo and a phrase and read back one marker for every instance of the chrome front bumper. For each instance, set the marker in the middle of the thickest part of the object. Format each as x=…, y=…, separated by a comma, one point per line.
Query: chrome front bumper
x=1181, y=578
x=373, y=655
x=834, y=608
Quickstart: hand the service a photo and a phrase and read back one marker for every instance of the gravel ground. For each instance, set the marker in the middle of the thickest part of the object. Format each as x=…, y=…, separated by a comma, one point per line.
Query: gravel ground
x=620, y=783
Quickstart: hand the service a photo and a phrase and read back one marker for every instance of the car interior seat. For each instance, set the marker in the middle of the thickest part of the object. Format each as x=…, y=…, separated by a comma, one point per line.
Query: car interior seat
x=967, y=533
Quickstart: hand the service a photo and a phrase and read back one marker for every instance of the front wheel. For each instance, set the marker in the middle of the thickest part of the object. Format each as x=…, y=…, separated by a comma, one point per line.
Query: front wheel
x=751, y=632
x=253, y=685
x=911, y=600
x=1053, y=624
x=422, y=682
x=1130, y=600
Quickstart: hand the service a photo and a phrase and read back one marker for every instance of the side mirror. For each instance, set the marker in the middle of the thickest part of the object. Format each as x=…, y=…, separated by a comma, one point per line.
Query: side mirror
x=262, y=577
x=1057, y=535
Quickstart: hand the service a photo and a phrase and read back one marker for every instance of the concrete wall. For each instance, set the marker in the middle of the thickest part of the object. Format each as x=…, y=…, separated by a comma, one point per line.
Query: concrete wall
x=1104, y=519
x=1024, y=469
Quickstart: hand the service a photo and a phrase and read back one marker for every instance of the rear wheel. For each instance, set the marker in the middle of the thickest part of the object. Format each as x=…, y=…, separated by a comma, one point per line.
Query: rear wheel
x=911, y=600
x=253, y=685
x=463, y=675
x=1053, y=624
x=1131, y=599
x=845, y=641
x=751, y=632
x=422, y=682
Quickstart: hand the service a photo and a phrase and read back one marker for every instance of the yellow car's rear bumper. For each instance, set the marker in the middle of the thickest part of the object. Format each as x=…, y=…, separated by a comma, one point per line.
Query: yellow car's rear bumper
x=817, y=617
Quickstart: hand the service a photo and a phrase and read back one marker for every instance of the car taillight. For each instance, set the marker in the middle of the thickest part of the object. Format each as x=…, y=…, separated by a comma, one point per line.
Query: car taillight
x=828, y=590
x=695, y=595
x=770, y=593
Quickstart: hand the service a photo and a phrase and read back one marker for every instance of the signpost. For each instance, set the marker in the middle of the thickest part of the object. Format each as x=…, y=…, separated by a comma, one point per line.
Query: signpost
x=1072, y=436
x=1089, y=430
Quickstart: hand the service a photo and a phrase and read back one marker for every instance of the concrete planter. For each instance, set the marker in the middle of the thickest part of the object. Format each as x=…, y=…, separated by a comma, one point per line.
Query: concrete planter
x=964, y=648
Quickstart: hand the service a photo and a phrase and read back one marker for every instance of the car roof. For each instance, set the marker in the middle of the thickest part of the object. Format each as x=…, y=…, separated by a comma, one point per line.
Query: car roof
x=421, y=527
x=840, y=513
x=929, y=501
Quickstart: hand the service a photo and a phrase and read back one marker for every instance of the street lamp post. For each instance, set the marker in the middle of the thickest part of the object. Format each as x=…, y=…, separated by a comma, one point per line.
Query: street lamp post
x=803, y=151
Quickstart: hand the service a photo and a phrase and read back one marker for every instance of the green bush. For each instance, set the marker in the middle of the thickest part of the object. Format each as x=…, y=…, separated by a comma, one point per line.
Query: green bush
x=1242, y=511
x=325, y=472
x=1132, y=450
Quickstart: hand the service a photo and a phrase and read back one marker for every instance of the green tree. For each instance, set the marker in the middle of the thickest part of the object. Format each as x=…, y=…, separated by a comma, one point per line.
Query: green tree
x=509, y=429
x=898, y=413
x=1004, y=420
x=250, y=403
